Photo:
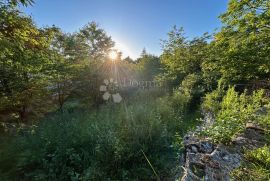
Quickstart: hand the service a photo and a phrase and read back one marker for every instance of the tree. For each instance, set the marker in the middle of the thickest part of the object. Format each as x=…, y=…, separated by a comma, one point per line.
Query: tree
x=129, y=60
x=144, y=52
x=241, y=48
x=23, y=64
x=182, y=57
x=90, y=48
x=64, y=67
x=95, y=41
x=15, y=3
x=149, y=66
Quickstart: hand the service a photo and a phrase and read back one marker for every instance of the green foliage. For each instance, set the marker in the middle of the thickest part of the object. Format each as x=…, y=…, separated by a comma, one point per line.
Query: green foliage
x=149, y=66
x=235, y=111
x=179, y=100
x=183, y=61
x=255, y=167
x=23, y=78
x=100, y=145
x=43, y=68
x=39, y=67
x=211, y=101
x=240, y=50
x=15, y=3
x=95, y=42
x=181, y=56
x=261, y=155
x=192, y=88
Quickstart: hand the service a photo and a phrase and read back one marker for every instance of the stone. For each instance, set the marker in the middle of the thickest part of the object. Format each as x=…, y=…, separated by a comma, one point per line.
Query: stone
x=197, y=169
x=206, y=147
x=194, y=149
x=207, y=161
x=251, y=125
x=226, y=158
x=240, y=140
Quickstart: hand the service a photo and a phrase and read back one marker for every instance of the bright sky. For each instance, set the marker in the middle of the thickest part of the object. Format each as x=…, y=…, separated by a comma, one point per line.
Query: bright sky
x=133, y=24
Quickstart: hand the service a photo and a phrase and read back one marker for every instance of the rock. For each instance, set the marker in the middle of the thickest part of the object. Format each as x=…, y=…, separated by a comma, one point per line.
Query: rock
x=240, y=140
x=206, y=147
x=251, y=125
x=197, y=169
x=195, y=145
x=189, y=139
x=250, y=139
x=254, y=135
x=226, y=158
x=209, y=162
x=194, y=149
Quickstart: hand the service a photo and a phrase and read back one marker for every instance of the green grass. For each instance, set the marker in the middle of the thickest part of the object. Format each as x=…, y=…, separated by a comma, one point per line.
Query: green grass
x=101, y=145
x=256, y=166
x=235, y=110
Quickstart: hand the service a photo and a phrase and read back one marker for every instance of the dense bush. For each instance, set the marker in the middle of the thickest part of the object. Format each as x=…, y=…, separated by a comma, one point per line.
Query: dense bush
x=255, y=167
x=42, y=69
x=211, y=101
x=234, y=112
x=192, y=88
x=104, y=145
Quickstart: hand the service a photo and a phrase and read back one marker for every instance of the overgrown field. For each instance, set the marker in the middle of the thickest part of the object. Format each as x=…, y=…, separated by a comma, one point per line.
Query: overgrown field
x=72, y=108
x=139, y=139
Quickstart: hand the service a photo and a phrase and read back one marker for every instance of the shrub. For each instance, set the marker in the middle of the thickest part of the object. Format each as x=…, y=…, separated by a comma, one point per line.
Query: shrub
x=234, y=112
x=102, y=145
x=179, y=101
x=255, y=167
x=211, y=101
x=192, y=88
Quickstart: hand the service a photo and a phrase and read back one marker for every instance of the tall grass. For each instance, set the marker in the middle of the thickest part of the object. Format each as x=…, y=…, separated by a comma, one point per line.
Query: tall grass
x=101, y=145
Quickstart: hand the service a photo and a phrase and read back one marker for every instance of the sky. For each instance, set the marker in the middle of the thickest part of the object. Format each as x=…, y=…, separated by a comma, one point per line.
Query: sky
x=132, y=24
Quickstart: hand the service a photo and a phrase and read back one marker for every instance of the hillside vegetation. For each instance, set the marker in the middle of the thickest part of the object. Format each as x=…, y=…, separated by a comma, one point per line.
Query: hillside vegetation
x=69, y=111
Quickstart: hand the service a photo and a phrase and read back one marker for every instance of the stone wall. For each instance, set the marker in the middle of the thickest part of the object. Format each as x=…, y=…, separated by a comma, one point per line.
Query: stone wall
x=206, y=161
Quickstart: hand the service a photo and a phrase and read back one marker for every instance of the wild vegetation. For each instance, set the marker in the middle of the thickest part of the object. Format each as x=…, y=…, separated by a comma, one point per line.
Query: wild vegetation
x=56, y=124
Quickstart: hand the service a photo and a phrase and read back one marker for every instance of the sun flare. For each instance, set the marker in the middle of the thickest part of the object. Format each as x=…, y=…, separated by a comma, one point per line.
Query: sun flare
x=113, y=55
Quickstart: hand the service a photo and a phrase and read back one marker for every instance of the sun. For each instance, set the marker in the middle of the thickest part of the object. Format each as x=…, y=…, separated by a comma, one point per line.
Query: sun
x=113, y=55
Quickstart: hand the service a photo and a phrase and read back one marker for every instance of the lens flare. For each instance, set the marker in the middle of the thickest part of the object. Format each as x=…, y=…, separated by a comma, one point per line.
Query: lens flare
x=113, y=55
